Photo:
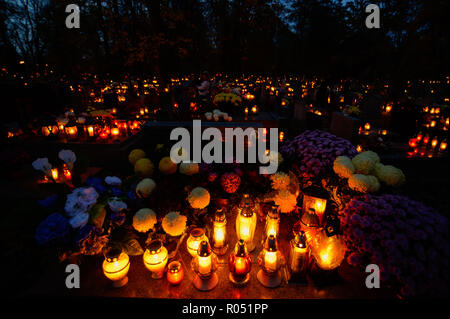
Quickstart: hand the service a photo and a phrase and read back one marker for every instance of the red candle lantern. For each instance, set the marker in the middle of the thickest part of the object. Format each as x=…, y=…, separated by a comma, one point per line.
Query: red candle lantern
x=426, y=139
x=419, y=137
x=412, y=142
x=175, y=273
x=240, y=264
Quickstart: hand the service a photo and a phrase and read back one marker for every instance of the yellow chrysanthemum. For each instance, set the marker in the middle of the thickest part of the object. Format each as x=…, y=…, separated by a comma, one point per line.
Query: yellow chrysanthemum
x=199, y=198
x=166, y=166
x=364, y=183
x=144, y=167
x=144, y=220
x=136, y=155
x=343, y=167
x=174, y=224
x=286, y=201
x=280, y=181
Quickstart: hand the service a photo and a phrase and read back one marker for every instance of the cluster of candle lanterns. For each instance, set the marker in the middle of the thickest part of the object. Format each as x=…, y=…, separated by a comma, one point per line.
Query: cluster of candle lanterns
x=311, y=242
x=90, y=128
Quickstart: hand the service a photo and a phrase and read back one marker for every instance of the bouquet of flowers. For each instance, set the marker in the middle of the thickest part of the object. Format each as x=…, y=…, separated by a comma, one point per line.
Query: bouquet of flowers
x=406, y=239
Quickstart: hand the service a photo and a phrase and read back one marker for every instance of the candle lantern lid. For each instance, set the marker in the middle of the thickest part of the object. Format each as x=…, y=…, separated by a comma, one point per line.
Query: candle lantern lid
x=315, y=191
x=197, y=232
x=273, y=212
x=112, y=253
x=220, y=215
x=174, y=266
x=247, y=211
x=300, y=239
x=271, y=243
x=204, y=250
x=246, y=199
x=155, y=246
x=310, y=218
x=240, y=249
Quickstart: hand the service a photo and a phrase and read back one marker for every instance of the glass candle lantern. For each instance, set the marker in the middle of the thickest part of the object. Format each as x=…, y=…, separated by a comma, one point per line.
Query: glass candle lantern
x=205, y=265
x=434, y=142
x=196, y=236
x=246, y=226
x=443, y=145
x=316, y=198
x=71, y=130
x=92, y=129
x=329, y=248
x=115, y=131
x=61, y=122
x=155, y=258
x=49, y=129
x=116, y=266
x=67, y=173
x=270, y=260
x=310, y=225
x=219, y=238
x=55, y=174
x=272, y=222
x=175, y=273
x=298, y=256
x=239, y=264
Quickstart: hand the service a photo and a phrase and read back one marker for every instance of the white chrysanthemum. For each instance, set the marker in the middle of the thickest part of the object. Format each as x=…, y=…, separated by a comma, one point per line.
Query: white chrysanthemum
x=42, y=164
x=113, y=181
x=117, y=205
x=343, y=167
x=79, y=220
x=80, y=200
x=145, y=187
x=144, y=220
x=199, y=198
x=68, y=157
x=174, y=224
x=189, y=168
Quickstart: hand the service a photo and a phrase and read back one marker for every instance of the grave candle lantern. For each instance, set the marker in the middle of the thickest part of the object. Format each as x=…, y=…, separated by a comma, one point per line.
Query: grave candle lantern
x=205, y=265
x=71, y=130
x=49, y=129
x=220, y=244
x=270, y=260
x=298, y=257
x=196, y=236
x=116, y=266
x=239, y=264
x=155, y=258
x=329, y=249
x=246, y=225
x=316, y=198
x=272, y=222
x=175, y=273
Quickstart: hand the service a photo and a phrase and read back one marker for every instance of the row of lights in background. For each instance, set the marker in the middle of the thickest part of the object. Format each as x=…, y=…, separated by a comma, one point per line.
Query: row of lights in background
x=89, y=129
x=204, y=252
